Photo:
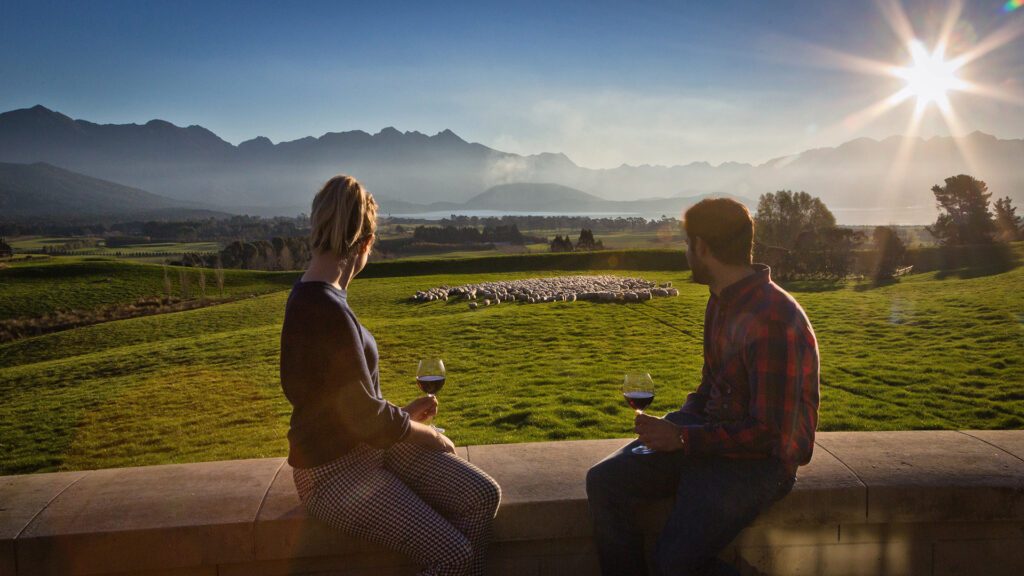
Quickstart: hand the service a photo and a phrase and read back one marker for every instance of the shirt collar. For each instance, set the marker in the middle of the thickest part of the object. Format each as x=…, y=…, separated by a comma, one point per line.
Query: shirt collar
x=341, y=292
x=761, y=275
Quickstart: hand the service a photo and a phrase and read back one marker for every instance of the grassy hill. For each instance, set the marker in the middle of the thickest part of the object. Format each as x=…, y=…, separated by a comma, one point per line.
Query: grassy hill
x=41, y=190
x=44, y=285
x=203, y=384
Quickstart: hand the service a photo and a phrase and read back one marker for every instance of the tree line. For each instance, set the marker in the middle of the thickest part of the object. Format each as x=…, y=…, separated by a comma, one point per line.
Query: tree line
x=796, y=234
x=524, y=222
x=211, y=229
x=471, y=235
x=584, y=243
x=278, y=253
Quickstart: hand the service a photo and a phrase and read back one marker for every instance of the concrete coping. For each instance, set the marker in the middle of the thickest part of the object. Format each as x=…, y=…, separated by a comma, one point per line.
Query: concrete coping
x=211, y=513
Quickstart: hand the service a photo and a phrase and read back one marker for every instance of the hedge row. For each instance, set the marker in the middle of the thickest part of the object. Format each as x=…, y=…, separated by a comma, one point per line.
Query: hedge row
x=990, y=257
x=995, y=257
x=599, y=260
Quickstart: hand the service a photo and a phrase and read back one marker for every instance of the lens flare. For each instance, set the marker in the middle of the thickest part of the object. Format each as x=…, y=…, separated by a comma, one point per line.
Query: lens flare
x=930, y=77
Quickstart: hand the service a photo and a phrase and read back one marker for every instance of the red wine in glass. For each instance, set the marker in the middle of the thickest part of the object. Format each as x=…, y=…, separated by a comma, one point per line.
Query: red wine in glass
x=430, y=376
x=639, y=400
x=430, y=384
x=638, y=389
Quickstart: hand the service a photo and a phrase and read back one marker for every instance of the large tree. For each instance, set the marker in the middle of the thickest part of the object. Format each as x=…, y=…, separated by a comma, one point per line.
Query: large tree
x=791, y=233
x=1009, y=226
x=890, y=252
x=784, y=215
x=963, y=212
x=586, y=241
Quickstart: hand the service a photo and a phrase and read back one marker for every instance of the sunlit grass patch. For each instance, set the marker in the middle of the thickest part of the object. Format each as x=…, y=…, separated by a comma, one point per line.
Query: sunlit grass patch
x=203, y=384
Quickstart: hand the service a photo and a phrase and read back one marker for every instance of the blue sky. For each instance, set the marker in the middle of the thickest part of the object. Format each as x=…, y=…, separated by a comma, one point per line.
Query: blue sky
x=604, y=82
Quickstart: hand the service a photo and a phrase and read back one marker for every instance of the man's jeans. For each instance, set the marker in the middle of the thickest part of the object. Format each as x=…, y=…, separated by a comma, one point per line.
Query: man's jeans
x=715, y=499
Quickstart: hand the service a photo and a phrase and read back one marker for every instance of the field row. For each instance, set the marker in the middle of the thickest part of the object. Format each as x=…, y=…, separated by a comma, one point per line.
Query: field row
x=203, y=384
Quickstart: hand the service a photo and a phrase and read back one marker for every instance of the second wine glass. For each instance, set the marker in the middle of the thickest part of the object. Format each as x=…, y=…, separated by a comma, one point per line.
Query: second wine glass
x=430, y=376
x=638, y=388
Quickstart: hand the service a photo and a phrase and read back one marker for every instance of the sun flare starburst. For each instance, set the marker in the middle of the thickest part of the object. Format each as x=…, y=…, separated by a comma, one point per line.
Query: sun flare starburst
x=930, y=77
x=928, y=74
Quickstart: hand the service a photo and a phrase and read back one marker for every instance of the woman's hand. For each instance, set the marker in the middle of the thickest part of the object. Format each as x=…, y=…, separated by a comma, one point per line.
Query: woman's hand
x=429, y=438
x=422, y=409
x=444, y=444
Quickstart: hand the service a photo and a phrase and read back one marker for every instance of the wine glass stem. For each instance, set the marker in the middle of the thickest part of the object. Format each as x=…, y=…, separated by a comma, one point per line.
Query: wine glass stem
x=432, y=418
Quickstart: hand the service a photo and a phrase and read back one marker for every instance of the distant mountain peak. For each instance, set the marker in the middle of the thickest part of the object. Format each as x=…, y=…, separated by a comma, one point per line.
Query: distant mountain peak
x=979, y=135
x=389, y=132
x=447, y=135
x=37, y=112
x=257, y=143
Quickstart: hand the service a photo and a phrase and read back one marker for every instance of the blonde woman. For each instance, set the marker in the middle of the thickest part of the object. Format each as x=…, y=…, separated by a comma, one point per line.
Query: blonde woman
x=363, y=465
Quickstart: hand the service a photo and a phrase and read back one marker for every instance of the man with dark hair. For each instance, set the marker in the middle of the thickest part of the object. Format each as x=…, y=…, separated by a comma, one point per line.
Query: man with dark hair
x=733, y=448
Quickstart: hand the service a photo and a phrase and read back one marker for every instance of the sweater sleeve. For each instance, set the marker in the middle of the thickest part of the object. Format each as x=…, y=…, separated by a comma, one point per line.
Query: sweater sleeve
x=362, y=415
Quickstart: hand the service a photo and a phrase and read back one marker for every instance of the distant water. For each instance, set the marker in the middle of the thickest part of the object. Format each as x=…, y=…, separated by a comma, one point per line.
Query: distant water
x=439, y=215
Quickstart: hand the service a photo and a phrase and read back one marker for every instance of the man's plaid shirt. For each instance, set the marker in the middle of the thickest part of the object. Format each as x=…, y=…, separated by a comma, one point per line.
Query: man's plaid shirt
x=759, y=389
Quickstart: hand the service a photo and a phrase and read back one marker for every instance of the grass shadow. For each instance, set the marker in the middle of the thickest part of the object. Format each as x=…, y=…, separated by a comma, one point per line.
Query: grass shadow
x=964, y=262
x=819, y=285
x=876, y=283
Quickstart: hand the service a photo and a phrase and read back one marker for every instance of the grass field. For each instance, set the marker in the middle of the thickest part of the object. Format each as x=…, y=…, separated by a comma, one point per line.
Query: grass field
x=203, y=384
x=26, y=243
x=46, y=284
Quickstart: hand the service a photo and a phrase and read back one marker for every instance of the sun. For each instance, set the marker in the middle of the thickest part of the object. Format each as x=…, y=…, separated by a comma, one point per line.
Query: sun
x=930, y=77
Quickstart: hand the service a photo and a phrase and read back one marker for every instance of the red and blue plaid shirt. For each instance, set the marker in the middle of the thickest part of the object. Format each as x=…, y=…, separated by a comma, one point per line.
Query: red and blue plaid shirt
x=759, y=389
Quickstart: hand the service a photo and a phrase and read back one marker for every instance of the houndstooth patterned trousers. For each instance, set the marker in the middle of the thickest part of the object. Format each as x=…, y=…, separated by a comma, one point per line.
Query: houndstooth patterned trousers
x=431, y=506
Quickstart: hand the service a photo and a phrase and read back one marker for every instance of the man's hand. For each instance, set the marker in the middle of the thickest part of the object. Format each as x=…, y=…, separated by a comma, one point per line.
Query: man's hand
x=658, y=434
x=422, y=409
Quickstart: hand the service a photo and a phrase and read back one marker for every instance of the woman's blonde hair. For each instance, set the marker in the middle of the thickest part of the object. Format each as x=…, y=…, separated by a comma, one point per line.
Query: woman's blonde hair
x=344, y=214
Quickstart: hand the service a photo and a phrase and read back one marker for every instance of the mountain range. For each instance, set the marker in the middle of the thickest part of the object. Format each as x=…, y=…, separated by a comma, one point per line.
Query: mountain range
x=413, y=172
x=40, y=190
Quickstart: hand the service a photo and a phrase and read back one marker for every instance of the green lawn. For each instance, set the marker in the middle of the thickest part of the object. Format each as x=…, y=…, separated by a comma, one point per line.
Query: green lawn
x=40, y=242
x=667, y=237
x=203, y=384
x=43, y=285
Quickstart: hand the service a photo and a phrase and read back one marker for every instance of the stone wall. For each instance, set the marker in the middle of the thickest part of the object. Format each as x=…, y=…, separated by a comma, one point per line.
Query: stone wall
x=941, y=502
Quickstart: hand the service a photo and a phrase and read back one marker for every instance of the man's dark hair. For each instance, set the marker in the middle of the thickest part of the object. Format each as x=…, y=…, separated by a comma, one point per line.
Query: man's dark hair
x=725, y=226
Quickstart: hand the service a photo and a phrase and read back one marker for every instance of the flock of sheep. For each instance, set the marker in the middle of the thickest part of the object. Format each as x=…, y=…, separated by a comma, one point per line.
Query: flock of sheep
x=556, y=289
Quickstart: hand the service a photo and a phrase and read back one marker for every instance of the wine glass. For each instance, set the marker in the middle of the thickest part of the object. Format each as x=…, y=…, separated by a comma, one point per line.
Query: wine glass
x=638, y=388
x=430, y=378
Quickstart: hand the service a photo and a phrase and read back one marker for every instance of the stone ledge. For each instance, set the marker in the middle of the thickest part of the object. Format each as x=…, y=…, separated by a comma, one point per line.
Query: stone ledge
x=882, y=497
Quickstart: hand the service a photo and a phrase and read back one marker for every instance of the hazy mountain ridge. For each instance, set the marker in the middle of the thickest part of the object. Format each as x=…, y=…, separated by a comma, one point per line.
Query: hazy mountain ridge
x=854, y=178
x=543, y=197
x=43, y=191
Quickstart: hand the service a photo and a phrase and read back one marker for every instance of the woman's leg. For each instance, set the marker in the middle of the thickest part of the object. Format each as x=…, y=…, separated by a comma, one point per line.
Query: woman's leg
x=361, y=498
x=463, y=493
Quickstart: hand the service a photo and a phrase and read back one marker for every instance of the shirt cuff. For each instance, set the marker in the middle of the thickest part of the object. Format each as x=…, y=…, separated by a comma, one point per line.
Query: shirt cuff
x=687, y=435
x=406, y=426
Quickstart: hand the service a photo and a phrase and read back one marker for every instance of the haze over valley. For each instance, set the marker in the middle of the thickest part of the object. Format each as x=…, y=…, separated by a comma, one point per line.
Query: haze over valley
x=410, y=172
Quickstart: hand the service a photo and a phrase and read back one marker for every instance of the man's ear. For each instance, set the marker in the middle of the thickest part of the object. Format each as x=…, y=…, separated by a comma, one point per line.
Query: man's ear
x=700, y=248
